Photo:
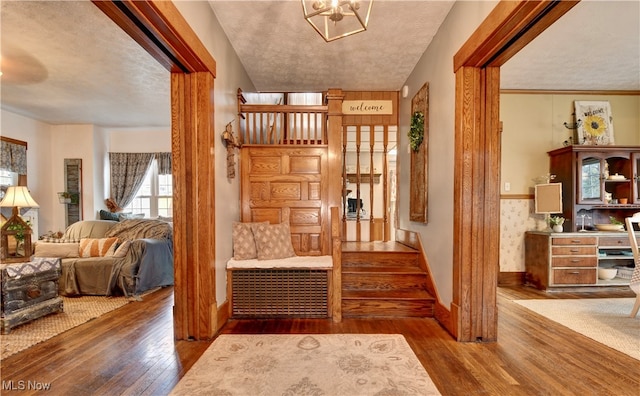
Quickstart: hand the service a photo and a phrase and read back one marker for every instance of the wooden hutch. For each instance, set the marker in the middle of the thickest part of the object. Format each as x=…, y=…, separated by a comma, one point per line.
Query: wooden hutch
x=598, y=183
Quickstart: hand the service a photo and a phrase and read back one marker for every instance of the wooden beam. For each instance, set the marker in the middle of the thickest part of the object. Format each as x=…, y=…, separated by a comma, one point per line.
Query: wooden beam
x=507, y=29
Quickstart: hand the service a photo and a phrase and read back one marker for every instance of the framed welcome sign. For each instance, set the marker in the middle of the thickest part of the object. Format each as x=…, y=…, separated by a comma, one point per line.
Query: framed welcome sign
x=594, y=122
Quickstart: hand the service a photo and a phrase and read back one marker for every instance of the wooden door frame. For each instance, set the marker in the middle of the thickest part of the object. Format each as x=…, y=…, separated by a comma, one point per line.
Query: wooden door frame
x=509, y=27
x=163, y=32
x=160, y=29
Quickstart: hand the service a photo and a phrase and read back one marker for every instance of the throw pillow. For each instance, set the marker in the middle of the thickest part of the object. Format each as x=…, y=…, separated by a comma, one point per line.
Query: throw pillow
x=106, y=215
x=273, y=241
x=91, y=247
x=122, y=249
x=56, y=249
x=244, y=245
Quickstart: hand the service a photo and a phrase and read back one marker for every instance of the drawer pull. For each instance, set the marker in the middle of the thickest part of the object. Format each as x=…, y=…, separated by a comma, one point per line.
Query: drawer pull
x=575, y=272
x=575, y=241
x=576, y=260
x=574, y=250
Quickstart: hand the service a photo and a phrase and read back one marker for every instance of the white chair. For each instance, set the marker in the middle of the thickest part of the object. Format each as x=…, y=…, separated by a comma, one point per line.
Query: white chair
x=635, y=276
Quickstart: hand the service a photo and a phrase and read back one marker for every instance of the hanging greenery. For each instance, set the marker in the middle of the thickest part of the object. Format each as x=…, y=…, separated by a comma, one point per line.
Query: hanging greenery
x=416, y=131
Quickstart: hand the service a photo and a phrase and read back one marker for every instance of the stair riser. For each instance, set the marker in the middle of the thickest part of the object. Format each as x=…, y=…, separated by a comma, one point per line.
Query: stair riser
x=379, y=260
x=386, y=282
x=387, y=308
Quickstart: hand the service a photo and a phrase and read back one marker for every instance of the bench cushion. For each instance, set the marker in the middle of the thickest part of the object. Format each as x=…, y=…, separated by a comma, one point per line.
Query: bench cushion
x=289, y=262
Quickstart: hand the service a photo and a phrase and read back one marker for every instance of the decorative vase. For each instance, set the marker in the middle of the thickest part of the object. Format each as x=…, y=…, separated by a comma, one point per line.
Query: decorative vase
x=557, y=228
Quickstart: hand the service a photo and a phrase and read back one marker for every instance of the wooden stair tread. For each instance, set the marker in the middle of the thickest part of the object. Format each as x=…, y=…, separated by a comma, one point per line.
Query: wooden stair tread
x=387, y=295
x=375, y=247
x=414, y=269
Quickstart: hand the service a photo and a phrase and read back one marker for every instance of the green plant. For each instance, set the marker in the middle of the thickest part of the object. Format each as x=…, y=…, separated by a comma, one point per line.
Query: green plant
x=19, y=228
x=615, y=221
x=556, y=220
x=416, y=130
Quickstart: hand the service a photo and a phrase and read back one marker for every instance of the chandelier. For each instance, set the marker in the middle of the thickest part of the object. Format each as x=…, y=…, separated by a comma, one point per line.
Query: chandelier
x=335, y=19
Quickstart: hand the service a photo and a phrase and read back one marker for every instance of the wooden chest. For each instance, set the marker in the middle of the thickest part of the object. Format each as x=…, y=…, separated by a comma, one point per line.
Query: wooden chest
x=29, y=291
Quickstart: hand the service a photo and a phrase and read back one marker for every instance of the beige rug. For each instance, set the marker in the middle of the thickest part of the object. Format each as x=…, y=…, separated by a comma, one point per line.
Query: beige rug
x=605, y=320
x=77, y=311
x=311, y=364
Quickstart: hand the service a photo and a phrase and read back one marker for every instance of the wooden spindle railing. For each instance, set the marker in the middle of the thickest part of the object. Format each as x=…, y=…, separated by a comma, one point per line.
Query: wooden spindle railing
x=283, y=124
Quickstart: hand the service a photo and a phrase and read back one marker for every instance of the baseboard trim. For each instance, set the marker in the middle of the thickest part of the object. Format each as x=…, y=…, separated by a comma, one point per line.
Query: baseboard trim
x=223, y=315
x=511, y=278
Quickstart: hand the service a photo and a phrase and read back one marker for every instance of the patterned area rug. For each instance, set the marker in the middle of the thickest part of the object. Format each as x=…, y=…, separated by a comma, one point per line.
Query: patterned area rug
x=605, y=320
x=77, y=311
x=307, y=364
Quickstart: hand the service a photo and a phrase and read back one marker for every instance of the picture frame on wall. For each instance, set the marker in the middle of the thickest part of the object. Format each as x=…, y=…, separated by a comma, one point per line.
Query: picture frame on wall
x=594, y=122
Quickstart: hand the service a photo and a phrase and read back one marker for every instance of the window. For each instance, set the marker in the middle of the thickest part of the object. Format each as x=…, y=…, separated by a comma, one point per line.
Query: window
x=591, y=178
x=155, y=196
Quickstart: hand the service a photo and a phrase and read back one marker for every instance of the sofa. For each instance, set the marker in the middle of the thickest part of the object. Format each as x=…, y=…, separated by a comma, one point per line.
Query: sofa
x=102, y=257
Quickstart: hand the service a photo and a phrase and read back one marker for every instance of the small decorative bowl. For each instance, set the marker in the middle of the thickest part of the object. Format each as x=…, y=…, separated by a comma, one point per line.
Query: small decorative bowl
x=607, y=273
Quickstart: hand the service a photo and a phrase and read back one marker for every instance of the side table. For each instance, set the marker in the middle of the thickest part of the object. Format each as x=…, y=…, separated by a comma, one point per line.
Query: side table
x=29, y=291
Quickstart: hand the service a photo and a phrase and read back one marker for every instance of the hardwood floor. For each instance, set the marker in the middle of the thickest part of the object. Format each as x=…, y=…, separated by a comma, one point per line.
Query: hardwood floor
x=131, y=351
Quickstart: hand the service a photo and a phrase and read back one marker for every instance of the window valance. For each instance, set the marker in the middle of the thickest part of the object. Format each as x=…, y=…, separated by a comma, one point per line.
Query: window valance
x=13, y=157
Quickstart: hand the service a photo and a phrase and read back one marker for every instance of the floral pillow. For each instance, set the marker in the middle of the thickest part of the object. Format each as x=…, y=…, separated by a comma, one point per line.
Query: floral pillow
x=273, y=241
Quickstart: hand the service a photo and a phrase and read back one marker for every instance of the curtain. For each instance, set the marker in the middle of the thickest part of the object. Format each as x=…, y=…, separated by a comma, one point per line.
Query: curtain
x=13, y=157
x=127, y=174
x=164, y=163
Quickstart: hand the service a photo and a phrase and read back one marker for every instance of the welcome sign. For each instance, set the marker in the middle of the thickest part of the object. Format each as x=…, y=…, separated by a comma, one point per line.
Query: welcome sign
x=367, y=107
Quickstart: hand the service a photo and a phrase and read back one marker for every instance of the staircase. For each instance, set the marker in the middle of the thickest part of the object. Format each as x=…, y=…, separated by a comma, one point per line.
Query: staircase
x=383, y=279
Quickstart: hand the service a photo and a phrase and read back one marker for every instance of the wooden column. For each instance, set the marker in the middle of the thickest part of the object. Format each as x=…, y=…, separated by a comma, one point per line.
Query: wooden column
x=335, y=198
x=506, y=30
x=192, y=141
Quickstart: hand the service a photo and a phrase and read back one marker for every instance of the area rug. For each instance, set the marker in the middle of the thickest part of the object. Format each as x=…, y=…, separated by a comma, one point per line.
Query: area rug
x=77, y=311
x=314, y=365
x=605, y=320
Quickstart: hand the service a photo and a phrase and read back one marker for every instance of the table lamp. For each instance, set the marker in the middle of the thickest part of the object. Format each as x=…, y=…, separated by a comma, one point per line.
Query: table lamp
x=16, y=197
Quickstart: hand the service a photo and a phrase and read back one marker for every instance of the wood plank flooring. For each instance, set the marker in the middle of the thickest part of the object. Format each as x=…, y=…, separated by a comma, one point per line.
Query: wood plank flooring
x=131, y=351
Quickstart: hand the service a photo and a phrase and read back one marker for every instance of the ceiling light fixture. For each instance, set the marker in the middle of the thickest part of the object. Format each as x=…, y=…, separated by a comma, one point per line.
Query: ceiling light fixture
x=335, y=19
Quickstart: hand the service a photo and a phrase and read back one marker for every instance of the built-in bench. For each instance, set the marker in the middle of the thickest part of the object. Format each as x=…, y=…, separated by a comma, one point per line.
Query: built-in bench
x=299, y=286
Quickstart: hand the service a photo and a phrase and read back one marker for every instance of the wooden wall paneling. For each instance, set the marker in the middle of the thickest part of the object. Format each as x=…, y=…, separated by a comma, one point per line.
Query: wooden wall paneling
x=286, y=184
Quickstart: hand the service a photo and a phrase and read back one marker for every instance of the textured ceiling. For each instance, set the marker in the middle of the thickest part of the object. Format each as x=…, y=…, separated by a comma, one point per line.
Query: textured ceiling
x=282, y=52
x=65, y=62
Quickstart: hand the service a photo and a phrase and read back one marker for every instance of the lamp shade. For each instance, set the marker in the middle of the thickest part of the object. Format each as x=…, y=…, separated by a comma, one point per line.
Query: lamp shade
x=18, y=196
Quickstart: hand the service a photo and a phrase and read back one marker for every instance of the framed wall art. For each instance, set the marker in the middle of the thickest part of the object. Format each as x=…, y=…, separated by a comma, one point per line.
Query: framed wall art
x=419, y=141
x=594, y=122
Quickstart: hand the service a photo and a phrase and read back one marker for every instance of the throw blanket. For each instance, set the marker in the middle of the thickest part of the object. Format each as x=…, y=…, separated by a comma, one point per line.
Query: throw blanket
x=132, y=229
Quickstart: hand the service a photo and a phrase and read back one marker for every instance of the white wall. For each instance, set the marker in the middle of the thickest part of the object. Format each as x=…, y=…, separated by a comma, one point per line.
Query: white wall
x=38, y=137
x=231, y=75
x=436, y=67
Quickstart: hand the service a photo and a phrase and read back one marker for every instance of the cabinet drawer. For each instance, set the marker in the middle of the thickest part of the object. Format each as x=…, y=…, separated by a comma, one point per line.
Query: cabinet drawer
x=574, y=261
x=574, y=276
x=574, y=241
x=573, y=251
x=622, y=241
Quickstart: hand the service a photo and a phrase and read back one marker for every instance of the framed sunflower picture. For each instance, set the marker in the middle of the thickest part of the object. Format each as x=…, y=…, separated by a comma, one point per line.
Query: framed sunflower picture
x=594, y=122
